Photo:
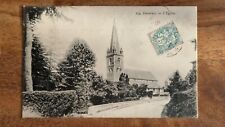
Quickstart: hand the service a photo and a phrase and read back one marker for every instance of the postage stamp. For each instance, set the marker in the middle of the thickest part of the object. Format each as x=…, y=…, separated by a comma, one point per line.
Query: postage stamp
x=165, y=38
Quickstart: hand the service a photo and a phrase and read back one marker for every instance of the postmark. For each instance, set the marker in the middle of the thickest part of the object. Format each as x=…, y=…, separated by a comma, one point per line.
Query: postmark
x=166, y=38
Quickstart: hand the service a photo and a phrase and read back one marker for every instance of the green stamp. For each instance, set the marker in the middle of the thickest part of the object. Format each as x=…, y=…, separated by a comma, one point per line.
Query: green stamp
x=165, y=38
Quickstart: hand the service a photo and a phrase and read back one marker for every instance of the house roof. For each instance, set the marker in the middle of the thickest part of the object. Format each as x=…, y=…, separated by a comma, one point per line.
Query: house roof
x=153, y=85
x=141, y=75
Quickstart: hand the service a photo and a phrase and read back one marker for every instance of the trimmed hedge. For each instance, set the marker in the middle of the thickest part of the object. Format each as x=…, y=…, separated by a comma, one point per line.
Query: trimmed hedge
x=54, y=104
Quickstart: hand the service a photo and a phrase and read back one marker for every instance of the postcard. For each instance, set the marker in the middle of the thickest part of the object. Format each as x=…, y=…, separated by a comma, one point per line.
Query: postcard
x=110, y=61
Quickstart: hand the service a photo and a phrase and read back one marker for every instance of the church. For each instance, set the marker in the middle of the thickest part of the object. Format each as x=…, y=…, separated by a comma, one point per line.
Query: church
x=115, y=66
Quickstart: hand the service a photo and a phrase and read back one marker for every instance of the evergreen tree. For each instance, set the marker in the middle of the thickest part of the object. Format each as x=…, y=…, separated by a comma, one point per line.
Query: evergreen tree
x=175, y=83
x=191, y=78
x=77, y=68
x=124, y=78
x=123, y=86
x=41, y=69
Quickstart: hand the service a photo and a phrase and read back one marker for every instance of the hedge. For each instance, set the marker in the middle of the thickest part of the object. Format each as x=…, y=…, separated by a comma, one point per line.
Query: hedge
x=55, y=104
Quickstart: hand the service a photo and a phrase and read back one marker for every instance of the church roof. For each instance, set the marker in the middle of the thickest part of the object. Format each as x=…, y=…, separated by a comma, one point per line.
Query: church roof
x=141, y=75
x=114, y=40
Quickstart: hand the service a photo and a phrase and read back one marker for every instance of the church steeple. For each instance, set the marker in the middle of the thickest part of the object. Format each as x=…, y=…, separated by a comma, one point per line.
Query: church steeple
x=114, y=57
x=114, y=39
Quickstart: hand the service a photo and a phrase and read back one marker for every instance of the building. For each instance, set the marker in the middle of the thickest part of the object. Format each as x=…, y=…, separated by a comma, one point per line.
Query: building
x=114, y=58
x=115, y=66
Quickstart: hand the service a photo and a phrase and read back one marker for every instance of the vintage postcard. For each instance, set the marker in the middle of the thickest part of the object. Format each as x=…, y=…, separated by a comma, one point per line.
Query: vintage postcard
x=110, y=61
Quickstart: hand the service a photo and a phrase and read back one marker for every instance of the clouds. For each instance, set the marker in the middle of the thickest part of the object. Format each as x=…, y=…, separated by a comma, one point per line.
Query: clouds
x=94, y=24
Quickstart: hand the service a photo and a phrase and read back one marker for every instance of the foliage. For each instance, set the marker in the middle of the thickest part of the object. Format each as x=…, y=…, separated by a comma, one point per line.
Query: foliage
x=124, y=78
x=34, y=13
x=132, y=91
x=103, y=91
x=191, y=78
x=142, y=90
x=122, y=89
x=175, y=83
x=97, y=90
x=110, y=92
x=182, y=104
x=53, y=104
x=41, y=68
x=77, y=66
x=183, y=101
x=31, y=16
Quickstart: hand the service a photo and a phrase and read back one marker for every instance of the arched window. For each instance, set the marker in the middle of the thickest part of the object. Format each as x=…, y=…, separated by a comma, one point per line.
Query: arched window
x=111, y=61
x=110, y=69
x=121, y=51
x=118, y=60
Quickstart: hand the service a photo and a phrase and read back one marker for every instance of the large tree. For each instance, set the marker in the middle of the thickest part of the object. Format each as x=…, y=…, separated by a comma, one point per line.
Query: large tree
x=78, y=66
x=41, y=67
x=31, y=15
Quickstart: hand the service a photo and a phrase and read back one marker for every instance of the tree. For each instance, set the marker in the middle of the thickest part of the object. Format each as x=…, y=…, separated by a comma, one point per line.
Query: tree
x=142, y=90
x=32, y=15
x=111, y=91
x=124, y=78
x=97, y=83
x=132, y=90
x=175, y=83
x=182, y=103
x=97, y=92
x=77, y=68
x=122, y=89
x=41, y=68
x=191, y=78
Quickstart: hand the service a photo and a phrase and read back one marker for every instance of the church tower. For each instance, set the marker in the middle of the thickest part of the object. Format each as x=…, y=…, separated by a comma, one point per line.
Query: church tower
x=114, y=57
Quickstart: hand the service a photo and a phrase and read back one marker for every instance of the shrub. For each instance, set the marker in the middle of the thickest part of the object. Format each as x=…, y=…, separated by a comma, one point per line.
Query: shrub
x=53, y=104
x=142, y=90
x=96, y=100
x=182, y=104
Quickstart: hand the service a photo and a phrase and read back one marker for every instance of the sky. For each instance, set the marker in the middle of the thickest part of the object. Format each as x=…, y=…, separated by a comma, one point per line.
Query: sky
x=94, y=25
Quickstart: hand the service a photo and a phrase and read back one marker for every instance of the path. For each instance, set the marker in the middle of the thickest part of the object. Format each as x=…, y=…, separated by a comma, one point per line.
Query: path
x=150, y=108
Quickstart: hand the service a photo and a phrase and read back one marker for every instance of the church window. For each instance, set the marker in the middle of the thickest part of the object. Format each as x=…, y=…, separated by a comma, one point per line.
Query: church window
x=118, y=69
x=110, y=69
x=121, y=51
x=111, y=61
x=118, y=60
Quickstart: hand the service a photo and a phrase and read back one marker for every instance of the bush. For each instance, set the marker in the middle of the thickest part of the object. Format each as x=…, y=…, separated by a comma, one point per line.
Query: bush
x=54, y=104
x=96, y=100
x=142, y=90
x=182, y=104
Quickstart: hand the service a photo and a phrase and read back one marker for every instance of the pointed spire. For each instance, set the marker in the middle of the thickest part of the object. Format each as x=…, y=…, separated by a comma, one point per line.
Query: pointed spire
x=114, y=40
